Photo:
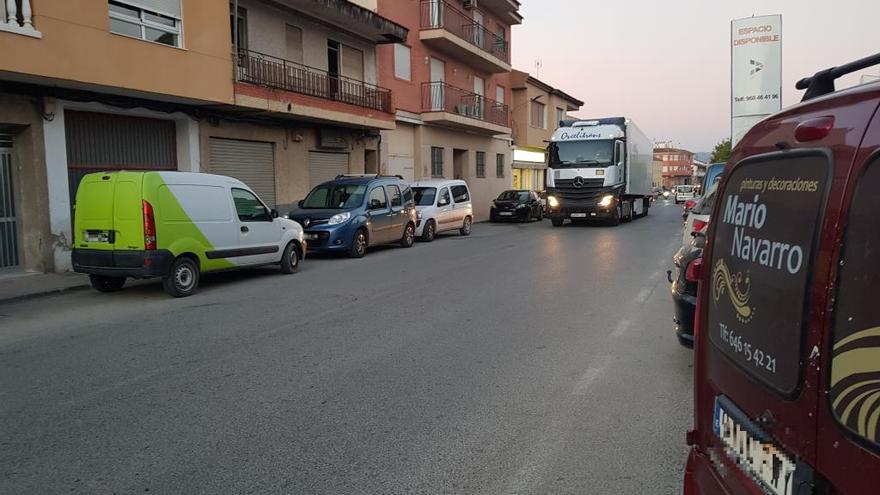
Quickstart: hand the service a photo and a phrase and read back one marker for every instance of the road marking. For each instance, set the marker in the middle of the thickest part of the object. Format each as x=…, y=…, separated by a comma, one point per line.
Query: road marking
x=643, y=295
x=622, y=326
x=583, y=385
x=655, y=275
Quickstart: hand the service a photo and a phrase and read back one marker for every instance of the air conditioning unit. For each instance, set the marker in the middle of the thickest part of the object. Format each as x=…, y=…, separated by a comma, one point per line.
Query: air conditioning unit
x=469, y=4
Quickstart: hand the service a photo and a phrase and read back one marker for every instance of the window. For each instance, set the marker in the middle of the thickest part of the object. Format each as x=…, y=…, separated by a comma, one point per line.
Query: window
x=499, y=94
x=402, y=60
x=377, y=199
x=499, y=166
x=761, y=266
x=294, y=36
x=445, y=198
x=161, y=25
x=436, y=161
x=538, y=115
x=560, y=116
x=481, y=164
x=425, y=195
x=352, y=61
x=854, y=367
x=408, y=196
x=248, y=207
x=394, y=195
x=665, y=169
x=242, y=27
x=460, y=194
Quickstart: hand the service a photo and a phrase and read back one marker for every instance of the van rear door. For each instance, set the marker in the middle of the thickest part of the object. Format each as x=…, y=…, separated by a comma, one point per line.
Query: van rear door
x=93, y=212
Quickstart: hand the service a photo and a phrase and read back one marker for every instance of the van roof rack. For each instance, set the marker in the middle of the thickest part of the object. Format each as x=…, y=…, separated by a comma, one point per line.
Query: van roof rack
x=367, y=176
x=822, y=82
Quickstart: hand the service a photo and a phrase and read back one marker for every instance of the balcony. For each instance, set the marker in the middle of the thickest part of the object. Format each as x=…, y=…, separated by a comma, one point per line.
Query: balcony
x=16, y=17
x=454, y=107
x=451, y=31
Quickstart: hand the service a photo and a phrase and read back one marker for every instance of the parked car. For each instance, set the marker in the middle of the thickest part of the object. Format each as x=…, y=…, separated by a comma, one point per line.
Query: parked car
x=175, y=225
x=353, y=212
x=442, y=205
x=697, y=219
x=786, y=351
x=683, y=193
x=688, y=263
x=713, y=173
x=516, y=204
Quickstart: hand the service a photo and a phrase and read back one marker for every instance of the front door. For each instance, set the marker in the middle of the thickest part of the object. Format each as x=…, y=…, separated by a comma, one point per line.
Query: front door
x=479, y=100
x=380, y=216
x=9, y=257
x=333, y=69
x=438, y=77
x=435, y=13
x=445, y=215
x=479, y=37
x=259, y=233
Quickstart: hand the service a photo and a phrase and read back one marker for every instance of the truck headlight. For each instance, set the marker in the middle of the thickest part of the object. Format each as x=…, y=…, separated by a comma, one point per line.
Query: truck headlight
x=339, y=218
x=606, y=200
x=552, y=201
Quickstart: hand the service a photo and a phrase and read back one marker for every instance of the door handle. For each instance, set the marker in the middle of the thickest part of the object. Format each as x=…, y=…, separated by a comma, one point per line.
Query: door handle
x=244, y=229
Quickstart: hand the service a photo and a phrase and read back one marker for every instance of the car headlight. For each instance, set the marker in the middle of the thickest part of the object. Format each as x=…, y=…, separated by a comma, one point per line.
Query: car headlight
x=521, y=206
x=339, y=218
x=606, y=200
x=552, y=201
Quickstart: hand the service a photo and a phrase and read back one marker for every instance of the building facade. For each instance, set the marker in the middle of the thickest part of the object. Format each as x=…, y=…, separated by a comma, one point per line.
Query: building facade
x=536, y=110
x=677, y=165
x=281, y=94
x=450, y=85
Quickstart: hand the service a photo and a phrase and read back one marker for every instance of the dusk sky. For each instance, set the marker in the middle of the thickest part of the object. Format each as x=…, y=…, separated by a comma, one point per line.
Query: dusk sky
x=666, y=64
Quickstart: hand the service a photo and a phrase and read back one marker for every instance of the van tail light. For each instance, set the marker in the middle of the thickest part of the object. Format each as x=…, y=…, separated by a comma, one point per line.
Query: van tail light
x=689, y=204
x=700, y=226
x=694, y=270
x=149, y=227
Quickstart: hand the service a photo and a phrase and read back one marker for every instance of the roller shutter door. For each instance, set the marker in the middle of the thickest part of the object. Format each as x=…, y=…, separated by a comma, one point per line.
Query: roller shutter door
x=252, y=162
x=326, y=166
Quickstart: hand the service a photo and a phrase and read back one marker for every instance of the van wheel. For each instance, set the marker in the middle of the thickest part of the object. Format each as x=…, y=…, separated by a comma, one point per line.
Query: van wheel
x=106, y=284
x=466, y=226
x=290, y=259
x=409, y=236
x=182, y=279
x=429, y=232
x=358, y=245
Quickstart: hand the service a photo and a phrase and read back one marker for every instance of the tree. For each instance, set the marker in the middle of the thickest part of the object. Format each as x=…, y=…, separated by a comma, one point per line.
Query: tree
x=721, y=152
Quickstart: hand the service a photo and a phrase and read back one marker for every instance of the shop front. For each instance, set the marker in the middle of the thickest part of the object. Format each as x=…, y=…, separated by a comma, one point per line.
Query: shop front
x=529, y=168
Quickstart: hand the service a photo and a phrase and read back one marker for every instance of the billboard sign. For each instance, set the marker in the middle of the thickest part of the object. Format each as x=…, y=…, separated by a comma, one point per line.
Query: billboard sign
x=756, y=71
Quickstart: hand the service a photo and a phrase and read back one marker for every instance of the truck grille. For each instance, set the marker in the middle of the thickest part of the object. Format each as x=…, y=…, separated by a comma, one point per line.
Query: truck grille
x=591, y=189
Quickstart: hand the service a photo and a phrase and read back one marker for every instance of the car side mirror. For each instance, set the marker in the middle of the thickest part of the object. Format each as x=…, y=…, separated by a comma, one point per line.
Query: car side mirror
x=300, y=203
x=274, y=213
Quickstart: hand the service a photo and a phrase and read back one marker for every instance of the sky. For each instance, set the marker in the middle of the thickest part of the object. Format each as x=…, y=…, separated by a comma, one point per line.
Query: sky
x=666, y=63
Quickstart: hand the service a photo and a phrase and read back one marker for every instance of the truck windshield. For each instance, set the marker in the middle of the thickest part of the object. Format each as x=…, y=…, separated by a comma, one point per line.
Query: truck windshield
x=335, y=196
x=570, y=154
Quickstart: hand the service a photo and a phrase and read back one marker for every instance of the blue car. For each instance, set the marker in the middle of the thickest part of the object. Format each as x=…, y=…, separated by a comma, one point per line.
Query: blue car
x=353, y=212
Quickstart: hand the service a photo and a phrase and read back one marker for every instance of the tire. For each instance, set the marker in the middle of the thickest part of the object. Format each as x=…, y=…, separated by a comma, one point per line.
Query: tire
x=102, y=283
x=628, y=216
x=615, y=219
x=290, y=259
x=541, y=215
x=557, y=222
x=429, y=232
x=465, y=229
x=409, y=236
x=182, y=279
x=647, y=206
x=358, y=244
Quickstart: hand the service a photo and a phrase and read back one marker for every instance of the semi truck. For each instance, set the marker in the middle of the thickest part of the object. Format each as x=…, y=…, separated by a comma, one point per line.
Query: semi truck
x=599, y=169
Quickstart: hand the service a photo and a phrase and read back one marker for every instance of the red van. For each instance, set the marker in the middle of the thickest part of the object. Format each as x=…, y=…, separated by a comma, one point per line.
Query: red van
x=787, y=354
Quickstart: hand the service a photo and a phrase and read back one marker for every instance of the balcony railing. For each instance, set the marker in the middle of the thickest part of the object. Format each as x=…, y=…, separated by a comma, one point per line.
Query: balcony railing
x=442, y=97
x=266, y=70
x=16, y=16
x=437, y=14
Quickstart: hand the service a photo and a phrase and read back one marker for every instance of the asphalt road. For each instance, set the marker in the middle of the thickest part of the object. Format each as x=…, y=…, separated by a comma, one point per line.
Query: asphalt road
x=523, y=359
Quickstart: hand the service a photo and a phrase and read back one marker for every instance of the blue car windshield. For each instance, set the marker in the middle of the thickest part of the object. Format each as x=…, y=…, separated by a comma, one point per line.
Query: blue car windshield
x=336, y=196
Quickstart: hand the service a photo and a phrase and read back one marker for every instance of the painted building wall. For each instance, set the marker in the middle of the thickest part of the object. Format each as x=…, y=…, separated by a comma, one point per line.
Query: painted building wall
x=77, y=45
x=523, y=131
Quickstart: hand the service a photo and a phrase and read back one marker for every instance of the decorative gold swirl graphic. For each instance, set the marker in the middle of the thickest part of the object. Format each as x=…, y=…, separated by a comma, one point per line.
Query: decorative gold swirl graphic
x=855, y=386
x=739, y=289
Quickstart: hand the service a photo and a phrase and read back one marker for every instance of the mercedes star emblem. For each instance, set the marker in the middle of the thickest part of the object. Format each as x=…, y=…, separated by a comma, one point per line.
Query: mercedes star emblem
x=578, y=182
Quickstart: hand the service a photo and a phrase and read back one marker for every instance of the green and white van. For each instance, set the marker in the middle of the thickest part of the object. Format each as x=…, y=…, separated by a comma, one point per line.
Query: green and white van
x=175, y=225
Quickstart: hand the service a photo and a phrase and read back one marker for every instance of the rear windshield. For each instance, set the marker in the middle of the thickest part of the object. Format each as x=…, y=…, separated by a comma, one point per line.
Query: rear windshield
x=706, y=203
x=685, y=189
x=514, y=196
x=762, y=254
x=336, y=196
x=424, y=196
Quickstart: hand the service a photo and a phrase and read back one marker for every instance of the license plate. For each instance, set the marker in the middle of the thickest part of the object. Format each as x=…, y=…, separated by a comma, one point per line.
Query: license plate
x=753, y=450
x=505, y=213
x=97, y=236
x=578, y=215
x=310, y=237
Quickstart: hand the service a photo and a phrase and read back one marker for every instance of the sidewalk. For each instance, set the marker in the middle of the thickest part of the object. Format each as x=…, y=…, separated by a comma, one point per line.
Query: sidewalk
x=24, y=285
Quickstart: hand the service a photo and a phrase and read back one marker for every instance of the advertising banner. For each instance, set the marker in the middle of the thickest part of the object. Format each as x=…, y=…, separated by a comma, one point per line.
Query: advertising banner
x=756, y=71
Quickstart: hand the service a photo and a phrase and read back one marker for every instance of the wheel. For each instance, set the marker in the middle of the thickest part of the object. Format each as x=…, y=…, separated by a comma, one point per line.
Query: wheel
x=182, y=279
x=466, y=226
x=646, y=206
x=106, y=284
x=429, y=232
x=290, y=259
x=541, y=215
x=627, y=209
x=557, y=222
x=618, y=214
x=409, y=236
x=358, y=245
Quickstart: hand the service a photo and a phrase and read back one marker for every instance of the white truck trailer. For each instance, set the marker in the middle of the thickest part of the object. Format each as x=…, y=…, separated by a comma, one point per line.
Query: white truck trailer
x=599, y=168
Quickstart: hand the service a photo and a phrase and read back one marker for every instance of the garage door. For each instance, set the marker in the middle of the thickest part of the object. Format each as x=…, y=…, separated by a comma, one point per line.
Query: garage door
x=252, y=162
x=326, y=166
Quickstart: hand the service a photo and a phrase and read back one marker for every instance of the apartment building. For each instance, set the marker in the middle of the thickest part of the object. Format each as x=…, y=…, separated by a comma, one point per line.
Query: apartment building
x=279, y=93
x=451, y=87
x=536, y=110
x=677, y=165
